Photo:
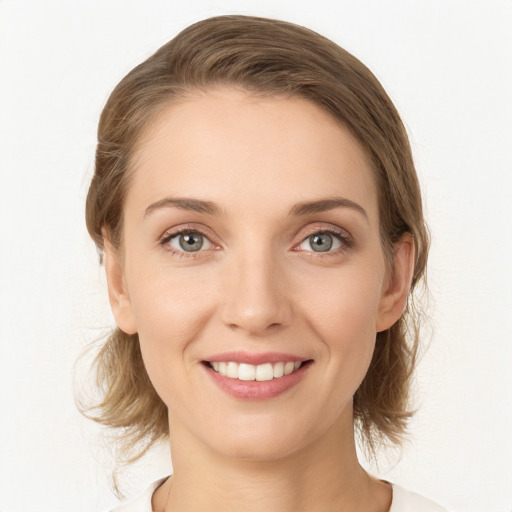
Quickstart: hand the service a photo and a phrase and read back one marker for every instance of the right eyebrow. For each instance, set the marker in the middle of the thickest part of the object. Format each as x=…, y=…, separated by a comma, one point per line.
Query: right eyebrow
x=324, y=205
x=184, y=203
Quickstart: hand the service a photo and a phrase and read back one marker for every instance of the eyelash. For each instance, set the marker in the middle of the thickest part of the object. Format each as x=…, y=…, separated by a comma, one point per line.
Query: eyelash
x=343, y=237
x=187, y=230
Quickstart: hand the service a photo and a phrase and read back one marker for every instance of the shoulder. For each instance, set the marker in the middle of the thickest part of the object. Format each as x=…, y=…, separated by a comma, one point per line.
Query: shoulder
x=143, y=502
x=407, y=501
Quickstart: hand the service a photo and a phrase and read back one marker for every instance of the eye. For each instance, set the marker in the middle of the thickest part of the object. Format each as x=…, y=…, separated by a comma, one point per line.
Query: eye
x=189, y=241
x=322, y=242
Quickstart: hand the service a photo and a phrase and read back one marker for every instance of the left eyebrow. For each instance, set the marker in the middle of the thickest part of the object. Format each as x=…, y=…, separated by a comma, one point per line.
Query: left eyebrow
x=184, y=203
x=324, y=205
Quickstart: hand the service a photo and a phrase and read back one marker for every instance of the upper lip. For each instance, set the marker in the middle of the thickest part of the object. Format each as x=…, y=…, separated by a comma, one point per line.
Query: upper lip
x=255, y=359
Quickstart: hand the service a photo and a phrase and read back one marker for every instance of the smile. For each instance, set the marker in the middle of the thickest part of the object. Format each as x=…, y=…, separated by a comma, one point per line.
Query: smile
x=261, y=372
x=269, y=376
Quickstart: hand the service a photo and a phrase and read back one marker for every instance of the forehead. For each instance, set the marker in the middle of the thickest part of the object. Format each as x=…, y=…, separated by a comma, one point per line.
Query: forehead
x=231, y=146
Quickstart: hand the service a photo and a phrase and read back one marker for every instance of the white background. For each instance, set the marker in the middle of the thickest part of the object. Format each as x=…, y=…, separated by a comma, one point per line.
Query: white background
x=446, y=64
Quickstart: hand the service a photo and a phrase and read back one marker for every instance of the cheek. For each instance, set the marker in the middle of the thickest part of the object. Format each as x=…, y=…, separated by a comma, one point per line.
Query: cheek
x=346, y=300
x=171, y=310
x=169, y=303
x=343, y=313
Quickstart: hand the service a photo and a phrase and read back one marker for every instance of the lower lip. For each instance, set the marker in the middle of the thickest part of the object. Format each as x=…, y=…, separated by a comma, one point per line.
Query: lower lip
x=257, y=390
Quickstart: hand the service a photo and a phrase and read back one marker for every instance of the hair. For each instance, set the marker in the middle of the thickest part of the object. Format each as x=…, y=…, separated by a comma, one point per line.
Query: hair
x=269, y=57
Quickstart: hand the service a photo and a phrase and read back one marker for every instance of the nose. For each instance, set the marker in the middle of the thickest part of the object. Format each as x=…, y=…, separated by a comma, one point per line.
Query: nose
x=257, y=296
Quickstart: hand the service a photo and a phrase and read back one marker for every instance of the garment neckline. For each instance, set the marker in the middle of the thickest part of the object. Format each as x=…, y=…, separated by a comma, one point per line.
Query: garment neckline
x=158, y=483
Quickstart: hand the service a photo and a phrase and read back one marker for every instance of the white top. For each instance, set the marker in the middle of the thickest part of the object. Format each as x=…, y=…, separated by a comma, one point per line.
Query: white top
x=403, y=501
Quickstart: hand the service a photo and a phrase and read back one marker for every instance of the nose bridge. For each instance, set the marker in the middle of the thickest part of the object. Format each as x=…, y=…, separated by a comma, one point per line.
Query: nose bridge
x=256, y=297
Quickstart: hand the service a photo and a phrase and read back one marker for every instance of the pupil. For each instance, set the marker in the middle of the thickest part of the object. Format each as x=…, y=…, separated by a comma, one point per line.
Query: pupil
x=191, y=243
x=321, y=242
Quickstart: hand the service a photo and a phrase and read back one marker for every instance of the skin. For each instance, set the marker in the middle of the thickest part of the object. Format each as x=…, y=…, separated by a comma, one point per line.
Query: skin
x=257, y=285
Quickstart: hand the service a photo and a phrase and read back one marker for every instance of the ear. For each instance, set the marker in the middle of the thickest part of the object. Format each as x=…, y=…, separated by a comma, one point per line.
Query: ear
x=117, y=290
x=394, y=297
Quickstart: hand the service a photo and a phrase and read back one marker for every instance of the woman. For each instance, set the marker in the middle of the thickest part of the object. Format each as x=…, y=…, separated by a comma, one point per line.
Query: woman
x=260, y=218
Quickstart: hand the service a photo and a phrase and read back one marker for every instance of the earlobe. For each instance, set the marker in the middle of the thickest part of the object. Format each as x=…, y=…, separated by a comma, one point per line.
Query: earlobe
x=394, y=297
x=117, y=290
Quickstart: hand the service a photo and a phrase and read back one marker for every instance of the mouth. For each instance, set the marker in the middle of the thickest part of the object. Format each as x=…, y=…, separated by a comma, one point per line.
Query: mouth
x=262, y=381
x=260, y=372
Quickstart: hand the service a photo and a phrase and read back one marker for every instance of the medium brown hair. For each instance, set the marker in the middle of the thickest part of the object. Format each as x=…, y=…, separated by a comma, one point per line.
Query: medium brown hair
x=268, y=57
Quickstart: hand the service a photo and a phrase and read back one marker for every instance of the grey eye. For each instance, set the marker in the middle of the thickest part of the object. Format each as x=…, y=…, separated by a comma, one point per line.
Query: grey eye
x=189, y=242
x=321, y=242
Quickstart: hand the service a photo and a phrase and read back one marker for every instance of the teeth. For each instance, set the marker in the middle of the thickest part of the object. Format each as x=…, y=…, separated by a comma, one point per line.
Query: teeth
x=261, y=372
x=264, y=372
x=288, y=368
x=278, y=370
x=243, y=371
x=232, y=370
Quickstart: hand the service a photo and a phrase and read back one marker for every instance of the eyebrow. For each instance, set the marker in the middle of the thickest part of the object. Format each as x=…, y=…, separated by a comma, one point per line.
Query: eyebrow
x=195, y=205
x=300, y=209
x=324, y=205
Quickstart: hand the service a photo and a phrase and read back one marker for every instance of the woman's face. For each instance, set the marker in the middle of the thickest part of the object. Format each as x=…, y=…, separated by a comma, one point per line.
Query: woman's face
x=250, y=246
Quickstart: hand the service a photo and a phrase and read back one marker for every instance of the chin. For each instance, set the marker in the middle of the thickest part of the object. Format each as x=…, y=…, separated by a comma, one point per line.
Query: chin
x=260, y=439
x=259, y=450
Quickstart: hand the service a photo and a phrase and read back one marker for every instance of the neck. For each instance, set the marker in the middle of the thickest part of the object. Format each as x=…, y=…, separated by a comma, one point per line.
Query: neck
x=324, y=476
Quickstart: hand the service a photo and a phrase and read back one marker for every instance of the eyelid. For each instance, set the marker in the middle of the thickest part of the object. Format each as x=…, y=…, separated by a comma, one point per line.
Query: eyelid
x=186, y=229
x=342, y=234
